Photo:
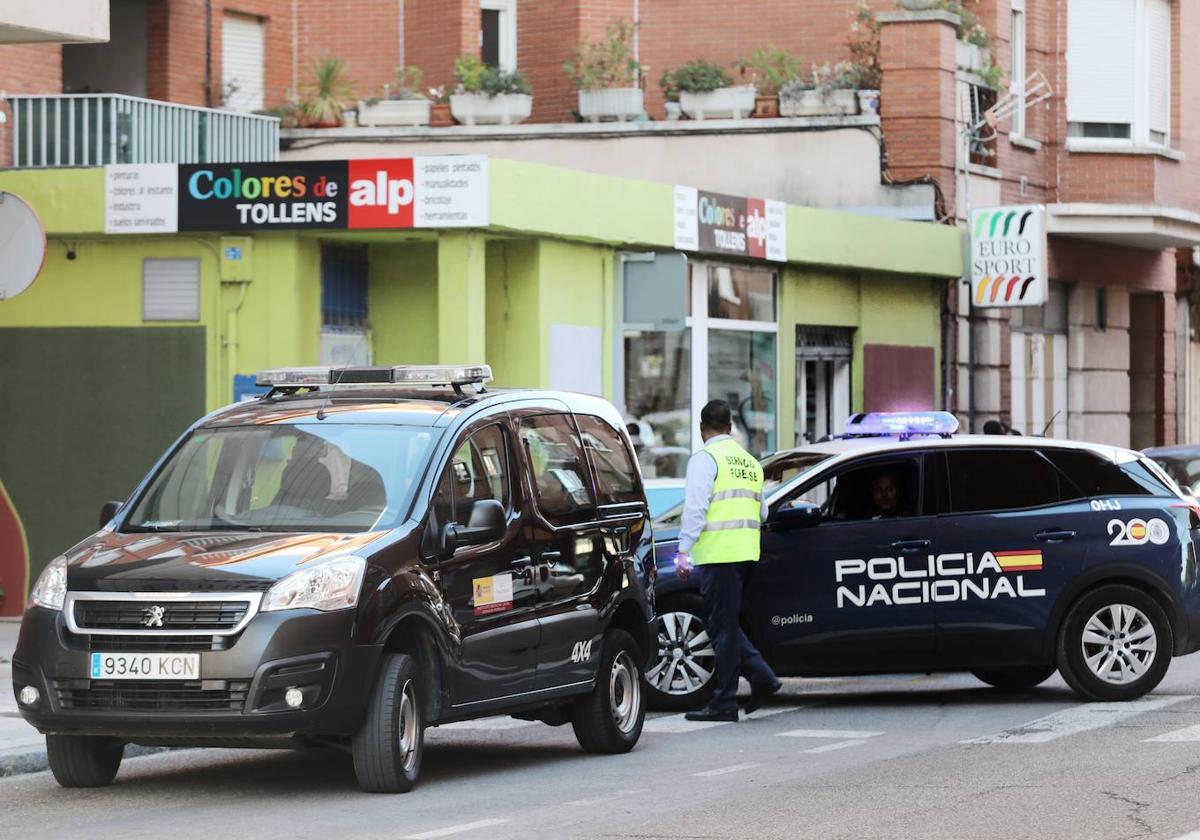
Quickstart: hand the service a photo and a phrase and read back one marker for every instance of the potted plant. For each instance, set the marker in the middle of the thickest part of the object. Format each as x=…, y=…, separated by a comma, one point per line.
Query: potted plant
x=489, y=95
x=439, y=110
x=403, y=104
x=768, y=69
x=607, y=75
x=706, y=91
x=864, y=46
x=828, y=91
x=670, y=95
x=330, y=96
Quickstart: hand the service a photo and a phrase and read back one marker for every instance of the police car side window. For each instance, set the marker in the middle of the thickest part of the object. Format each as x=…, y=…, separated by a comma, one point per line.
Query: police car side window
x=616, y=477
x=1008, y=479
x=875, y=490
x=561, y=481
x=1098, y=476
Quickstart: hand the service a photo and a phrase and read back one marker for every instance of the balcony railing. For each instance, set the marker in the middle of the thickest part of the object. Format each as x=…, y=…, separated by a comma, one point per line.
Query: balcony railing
x=98, y=129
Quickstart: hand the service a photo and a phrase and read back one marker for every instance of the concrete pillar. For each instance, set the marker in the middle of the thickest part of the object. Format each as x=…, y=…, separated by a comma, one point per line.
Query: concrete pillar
x=461, y=299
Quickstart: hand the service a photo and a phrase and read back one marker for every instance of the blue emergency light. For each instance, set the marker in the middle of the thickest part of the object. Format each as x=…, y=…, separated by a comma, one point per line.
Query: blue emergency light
x=903, y=424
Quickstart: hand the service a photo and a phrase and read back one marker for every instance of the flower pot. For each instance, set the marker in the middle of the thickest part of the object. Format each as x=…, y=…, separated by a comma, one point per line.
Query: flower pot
x=350, y=117
x=970, y=57
x=722, y=103
x=868, y=101
x=674, y=111
x=814, y=103
x=394, y=112
x=618, y=104
x=766, y=107
x=439, y=115
x=481, y=109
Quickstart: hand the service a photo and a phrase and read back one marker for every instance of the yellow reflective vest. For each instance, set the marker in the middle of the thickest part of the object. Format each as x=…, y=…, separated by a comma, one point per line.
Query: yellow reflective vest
x=734, y=518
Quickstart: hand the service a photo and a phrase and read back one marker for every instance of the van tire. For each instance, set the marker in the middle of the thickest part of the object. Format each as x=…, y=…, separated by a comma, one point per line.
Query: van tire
x=609, y=719
x=1150, y=618
x=84, y=761
x=389, y=745
x=1016, y=679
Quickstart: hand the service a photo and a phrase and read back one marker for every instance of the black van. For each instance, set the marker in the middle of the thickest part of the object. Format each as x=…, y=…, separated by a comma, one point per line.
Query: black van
x=357, y=555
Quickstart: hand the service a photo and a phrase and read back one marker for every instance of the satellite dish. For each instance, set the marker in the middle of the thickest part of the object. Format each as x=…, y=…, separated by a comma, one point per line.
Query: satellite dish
x=22, y=245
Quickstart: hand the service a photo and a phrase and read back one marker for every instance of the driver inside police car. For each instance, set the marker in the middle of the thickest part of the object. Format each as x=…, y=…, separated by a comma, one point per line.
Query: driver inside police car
x=885, y=496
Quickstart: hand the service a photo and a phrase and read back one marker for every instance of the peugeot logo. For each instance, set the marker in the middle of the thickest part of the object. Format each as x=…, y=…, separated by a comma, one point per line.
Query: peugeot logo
x=153, y=616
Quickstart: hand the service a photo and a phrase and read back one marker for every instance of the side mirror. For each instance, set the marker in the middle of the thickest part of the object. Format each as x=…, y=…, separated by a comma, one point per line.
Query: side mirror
x=486, y=525
x=107, y=511
x=794, y=517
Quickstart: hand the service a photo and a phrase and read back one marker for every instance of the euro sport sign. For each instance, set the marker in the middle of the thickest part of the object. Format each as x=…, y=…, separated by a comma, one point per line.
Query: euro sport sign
x=420, y=192
x=1008, y=256
x=724, y=224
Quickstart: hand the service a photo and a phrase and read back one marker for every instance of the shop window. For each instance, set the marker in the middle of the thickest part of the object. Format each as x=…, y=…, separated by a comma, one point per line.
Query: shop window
x=741, y=371
x=741, y=293
x=170, y=290
x=658, y=397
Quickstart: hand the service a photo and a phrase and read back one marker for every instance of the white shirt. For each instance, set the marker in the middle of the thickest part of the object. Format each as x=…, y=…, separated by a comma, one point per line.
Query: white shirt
x=698, y=493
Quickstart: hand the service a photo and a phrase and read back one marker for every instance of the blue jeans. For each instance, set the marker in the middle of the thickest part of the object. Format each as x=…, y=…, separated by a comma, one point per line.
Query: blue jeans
x=721, y=588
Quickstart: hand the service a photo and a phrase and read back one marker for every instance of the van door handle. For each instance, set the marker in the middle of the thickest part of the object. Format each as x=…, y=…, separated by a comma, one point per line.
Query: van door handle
x=1054, y=535
x=910, y=546
x=522, y=563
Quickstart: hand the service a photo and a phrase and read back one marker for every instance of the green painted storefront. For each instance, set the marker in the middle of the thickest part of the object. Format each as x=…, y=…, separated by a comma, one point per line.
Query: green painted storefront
x=93, y=391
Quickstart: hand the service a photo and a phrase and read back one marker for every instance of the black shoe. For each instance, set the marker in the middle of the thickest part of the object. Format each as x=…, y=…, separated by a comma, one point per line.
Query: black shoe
x=758, y=695
x=708, y=713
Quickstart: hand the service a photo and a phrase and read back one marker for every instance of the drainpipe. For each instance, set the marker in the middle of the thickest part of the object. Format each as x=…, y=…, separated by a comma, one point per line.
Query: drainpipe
x=208, y=77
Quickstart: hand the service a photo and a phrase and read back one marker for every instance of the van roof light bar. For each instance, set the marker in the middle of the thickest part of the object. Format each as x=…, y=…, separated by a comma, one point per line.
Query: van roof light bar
x=328, y=375
x=903, y=425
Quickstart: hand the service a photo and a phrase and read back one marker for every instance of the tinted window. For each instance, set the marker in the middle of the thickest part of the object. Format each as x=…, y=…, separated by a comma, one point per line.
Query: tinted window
x=478, y=470
x=564, y=493
x=876, y=490
x=616, y=476
x=1097, y=476
x=782, y=468
x=1003, y=480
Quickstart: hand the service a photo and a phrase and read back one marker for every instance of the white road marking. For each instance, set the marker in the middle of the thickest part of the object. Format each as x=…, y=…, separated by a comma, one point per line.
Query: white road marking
x=674, y=724
x=454, y=829
x=1082, y=718
x=1188, y=733
x=837, y=734
x=1195, y=835
x=493, y=724
x=721, y=771
x=836, y=745
x=772, y=710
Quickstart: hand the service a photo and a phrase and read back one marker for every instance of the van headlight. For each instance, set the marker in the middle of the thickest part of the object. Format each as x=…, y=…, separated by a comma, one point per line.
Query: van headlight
x=51, y=588
x=332, y=585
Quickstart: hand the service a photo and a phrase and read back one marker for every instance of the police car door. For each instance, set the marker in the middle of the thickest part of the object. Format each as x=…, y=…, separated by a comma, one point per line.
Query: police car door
x=845, y=595
x=1015, y=531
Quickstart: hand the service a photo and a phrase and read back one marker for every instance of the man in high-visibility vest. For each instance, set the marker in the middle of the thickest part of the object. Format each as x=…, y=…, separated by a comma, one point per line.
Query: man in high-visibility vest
x=723, y=511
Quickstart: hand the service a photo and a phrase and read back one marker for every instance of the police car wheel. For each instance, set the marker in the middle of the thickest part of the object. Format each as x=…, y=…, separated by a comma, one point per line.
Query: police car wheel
x=388, y=746
x=610, y=718
x=1017, y=679
x=681, y=673
x=1116, y=644
x=81, y=761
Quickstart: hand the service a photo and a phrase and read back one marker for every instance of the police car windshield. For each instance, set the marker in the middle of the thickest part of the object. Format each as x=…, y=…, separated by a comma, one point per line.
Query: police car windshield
x=311, y=477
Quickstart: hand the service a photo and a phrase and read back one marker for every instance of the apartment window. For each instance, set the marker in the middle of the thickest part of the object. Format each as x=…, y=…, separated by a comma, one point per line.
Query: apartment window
x=1019, y=70
x=1119, y=71
x=498, y=33
x=243, y=43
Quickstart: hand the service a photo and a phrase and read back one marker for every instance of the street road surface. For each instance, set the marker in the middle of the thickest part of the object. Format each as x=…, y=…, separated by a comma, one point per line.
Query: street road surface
x=925, y=757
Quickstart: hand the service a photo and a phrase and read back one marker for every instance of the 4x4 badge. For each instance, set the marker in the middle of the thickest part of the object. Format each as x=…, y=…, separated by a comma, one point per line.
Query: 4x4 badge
x=153, y=616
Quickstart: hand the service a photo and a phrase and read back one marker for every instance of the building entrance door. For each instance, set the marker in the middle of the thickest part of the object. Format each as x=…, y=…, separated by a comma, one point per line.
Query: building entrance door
x=822, y=381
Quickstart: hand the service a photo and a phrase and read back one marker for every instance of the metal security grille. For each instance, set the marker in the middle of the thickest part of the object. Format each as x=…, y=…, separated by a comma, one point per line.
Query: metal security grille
x=344, y=272
x=130, y=615
x=188, y=697
x=170, y=290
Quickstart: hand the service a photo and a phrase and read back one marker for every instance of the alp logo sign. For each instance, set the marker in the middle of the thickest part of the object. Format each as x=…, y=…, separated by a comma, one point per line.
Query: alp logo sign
x=381, y=194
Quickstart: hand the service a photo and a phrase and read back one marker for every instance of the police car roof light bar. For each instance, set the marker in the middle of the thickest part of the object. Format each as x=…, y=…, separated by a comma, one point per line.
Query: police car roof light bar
x=327, y=375
x=904, y=424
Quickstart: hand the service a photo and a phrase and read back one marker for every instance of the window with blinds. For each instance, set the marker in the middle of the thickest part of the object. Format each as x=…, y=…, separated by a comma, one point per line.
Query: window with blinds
x=243, y=40
x=1119, y=70
x=170, y=290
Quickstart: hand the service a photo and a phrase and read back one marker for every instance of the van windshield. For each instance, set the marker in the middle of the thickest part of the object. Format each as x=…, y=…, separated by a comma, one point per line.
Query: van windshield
x=311, y=477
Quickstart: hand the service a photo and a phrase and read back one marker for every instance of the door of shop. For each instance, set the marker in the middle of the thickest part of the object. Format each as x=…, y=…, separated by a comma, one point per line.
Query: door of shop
x=822, y=381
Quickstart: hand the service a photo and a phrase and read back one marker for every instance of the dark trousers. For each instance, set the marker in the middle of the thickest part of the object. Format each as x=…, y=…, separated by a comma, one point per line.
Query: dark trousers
x=721, y=588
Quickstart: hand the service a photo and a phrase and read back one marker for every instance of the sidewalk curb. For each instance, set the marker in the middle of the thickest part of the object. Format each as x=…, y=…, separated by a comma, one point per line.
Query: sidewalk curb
x=35, y=761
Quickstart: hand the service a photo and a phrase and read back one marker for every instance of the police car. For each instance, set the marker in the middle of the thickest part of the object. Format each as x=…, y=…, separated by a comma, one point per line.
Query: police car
x=357, y=555
x=901, y=548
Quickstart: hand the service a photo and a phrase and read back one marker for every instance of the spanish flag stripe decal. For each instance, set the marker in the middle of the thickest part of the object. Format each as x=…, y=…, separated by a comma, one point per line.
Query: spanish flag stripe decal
x=1019, y=561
